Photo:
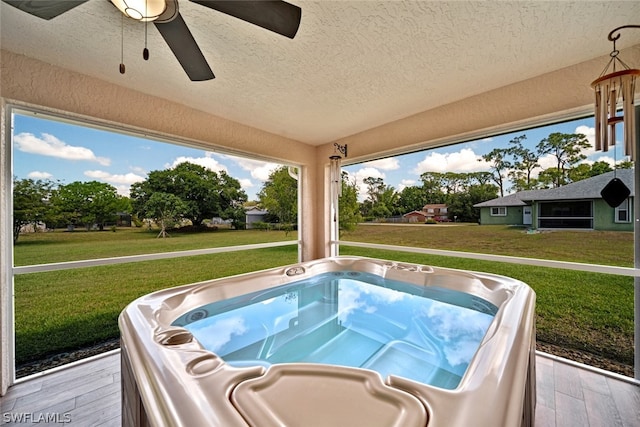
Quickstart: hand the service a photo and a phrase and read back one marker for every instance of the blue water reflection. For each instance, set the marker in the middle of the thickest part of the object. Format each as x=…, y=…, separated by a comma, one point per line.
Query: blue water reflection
x=426, y=334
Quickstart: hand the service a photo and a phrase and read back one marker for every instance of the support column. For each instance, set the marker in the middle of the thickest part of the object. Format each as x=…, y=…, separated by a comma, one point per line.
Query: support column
x=636, y=248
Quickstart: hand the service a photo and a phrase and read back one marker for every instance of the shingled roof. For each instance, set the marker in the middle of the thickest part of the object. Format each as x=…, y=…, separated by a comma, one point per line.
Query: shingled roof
x=586, y=189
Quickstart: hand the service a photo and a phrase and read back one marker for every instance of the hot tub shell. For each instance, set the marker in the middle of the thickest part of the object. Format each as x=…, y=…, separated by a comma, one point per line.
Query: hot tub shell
x=169, y=379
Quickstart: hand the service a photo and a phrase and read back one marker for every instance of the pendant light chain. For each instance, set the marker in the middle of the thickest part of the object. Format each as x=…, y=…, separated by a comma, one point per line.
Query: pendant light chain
x=122, y=68
x=145, y=51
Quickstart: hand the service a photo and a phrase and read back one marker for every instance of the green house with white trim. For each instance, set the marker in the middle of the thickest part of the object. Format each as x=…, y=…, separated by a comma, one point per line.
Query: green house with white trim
x=578, y=205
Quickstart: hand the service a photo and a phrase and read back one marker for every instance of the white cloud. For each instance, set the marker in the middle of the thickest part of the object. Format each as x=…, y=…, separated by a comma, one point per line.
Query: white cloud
x=465, y=160
x=590, y=133
x=406, y=183
x=138, y=170
x=246, y=183
x=39, y=175
x=360, y=175
x=548, y=161
x=128, y=178
x=123, y=190
x=259, y=169
x=387, y=164
x=121, y=182
x=208, y=161
x=49, y=145
x=460, y=330
x=225, y=330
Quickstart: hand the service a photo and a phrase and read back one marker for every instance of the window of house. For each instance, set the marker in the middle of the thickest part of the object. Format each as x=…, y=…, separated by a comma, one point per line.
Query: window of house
x=565, y=214
x=622, y=212
x=499, y=211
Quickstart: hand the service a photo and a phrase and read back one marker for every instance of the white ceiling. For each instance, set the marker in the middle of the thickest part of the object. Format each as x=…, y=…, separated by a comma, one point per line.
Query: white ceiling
x=353, y=65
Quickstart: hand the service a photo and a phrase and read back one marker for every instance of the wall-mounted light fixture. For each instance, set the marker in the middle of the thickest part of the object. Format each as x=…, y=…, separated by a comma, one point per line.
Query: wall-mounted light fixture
x=615, y=89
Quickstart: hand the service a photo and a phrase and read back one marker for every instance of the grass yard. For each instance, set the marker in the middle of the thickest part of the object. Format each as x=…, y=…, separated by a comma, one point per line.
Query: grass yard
x=61, y=246
x=65, y=310
x=594, y=247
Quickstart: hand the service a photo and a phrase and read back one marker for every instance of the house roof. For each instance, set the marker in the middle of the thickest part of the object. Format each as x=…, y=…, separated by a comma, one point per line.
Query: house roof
x=586, y=189
x=421, y=213
x=255, y=211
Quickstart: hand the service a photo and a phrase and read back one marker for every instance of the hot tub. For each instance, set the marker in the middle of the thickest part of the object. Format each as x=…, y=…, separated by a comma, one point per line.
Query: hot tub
x=338, y=341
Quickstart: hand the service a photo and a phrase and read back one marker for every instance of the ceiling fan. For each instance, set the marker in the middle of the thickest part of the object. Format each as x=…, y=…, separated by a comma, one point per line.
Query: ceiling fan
x=274, y=15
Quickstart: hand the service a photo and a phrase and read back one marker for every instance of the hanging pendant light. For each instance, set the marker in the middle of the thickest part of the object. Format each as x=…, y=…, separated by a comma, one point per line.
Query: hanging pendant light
x=615, y=89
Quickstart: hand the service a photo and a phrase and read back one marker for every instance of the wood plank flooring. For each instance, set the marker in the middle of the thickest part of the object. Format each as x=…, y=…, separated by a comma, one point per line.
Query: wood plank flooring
x=88, y=395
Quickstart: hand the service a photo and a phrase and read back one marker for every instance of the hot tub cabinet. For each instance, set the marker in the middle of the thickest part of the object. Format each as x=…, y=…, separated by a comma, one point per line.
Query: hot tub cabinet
x=335, y=342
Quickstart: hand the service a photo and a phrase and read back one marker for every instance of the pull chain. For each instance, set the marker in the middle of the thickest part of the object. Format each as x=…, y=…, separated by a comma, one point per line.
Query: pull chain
x=145, y=51
x=122, y=69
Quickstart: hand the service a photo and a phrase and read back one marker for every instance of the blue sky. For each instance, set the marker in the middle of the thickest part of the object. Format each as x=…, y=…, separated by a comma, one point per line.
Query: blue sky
x=51, y=149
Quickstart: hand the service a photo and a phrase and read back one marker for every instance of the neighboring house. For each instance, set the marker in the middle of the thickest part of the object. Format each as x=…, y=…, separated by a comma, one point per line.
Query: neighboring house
x=415, y=216
x=578, y=205
x=436, y=211
x=253, y=215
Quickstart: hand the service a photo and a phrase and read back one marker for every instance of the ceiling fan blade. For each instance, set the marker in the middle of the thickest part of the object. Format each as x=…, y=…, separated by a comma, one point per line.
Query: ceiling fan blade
x=184, y=47
x=274, y=15
x=45, y=9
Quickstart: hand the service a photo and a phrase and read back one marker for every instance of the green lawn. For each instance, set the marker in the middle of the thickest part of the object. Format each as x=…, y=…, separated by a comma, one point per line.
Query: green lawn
x=594, y=247
x=60, y=246
x=70, y=309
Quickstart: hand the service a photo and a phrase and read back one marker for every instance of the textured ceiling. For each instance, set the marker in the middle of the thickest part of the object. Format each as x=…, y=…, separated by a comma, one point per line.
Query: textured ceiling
x=353, y=65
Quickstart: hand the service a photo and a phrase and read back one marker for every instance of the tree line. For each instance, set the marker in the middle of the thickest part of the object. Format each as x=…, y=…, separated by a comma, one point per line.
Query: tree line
x=186, y=193
x=193, y=193
x=514, y=165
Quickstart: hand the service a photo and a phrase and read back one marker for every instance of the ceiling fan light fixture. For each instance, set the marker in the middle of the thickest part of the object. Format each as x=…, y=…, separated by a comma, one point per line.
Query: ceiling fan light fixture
x=141, y=10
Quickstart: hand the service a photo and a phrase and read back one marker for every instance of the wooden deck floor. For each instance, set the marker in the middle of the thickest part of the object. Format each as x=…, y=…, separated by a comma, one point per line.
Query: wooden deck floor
x=88, y=394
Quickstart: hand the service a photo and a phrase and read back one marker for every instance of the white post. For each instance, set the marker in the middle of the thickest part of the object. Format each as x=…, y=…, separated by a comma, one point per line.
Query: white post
x=636, y=246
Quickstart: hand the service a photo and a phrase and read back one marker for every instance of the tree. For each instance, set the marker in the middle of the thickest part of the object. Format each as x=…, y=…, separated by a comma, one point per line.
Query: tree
x=585, y=170
x=89, y=203
x=625, y=164
x=279, y=196
x=381, y=198
x=567, y=150
x=432, y=187
x=524, y=161
x=165, y=209
x=411, y=198
x=500, y=165
x=466, y=189
x=349, y=209
x=460, y=205
x=232, y=200
x=30, y=203
x=205, y=193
